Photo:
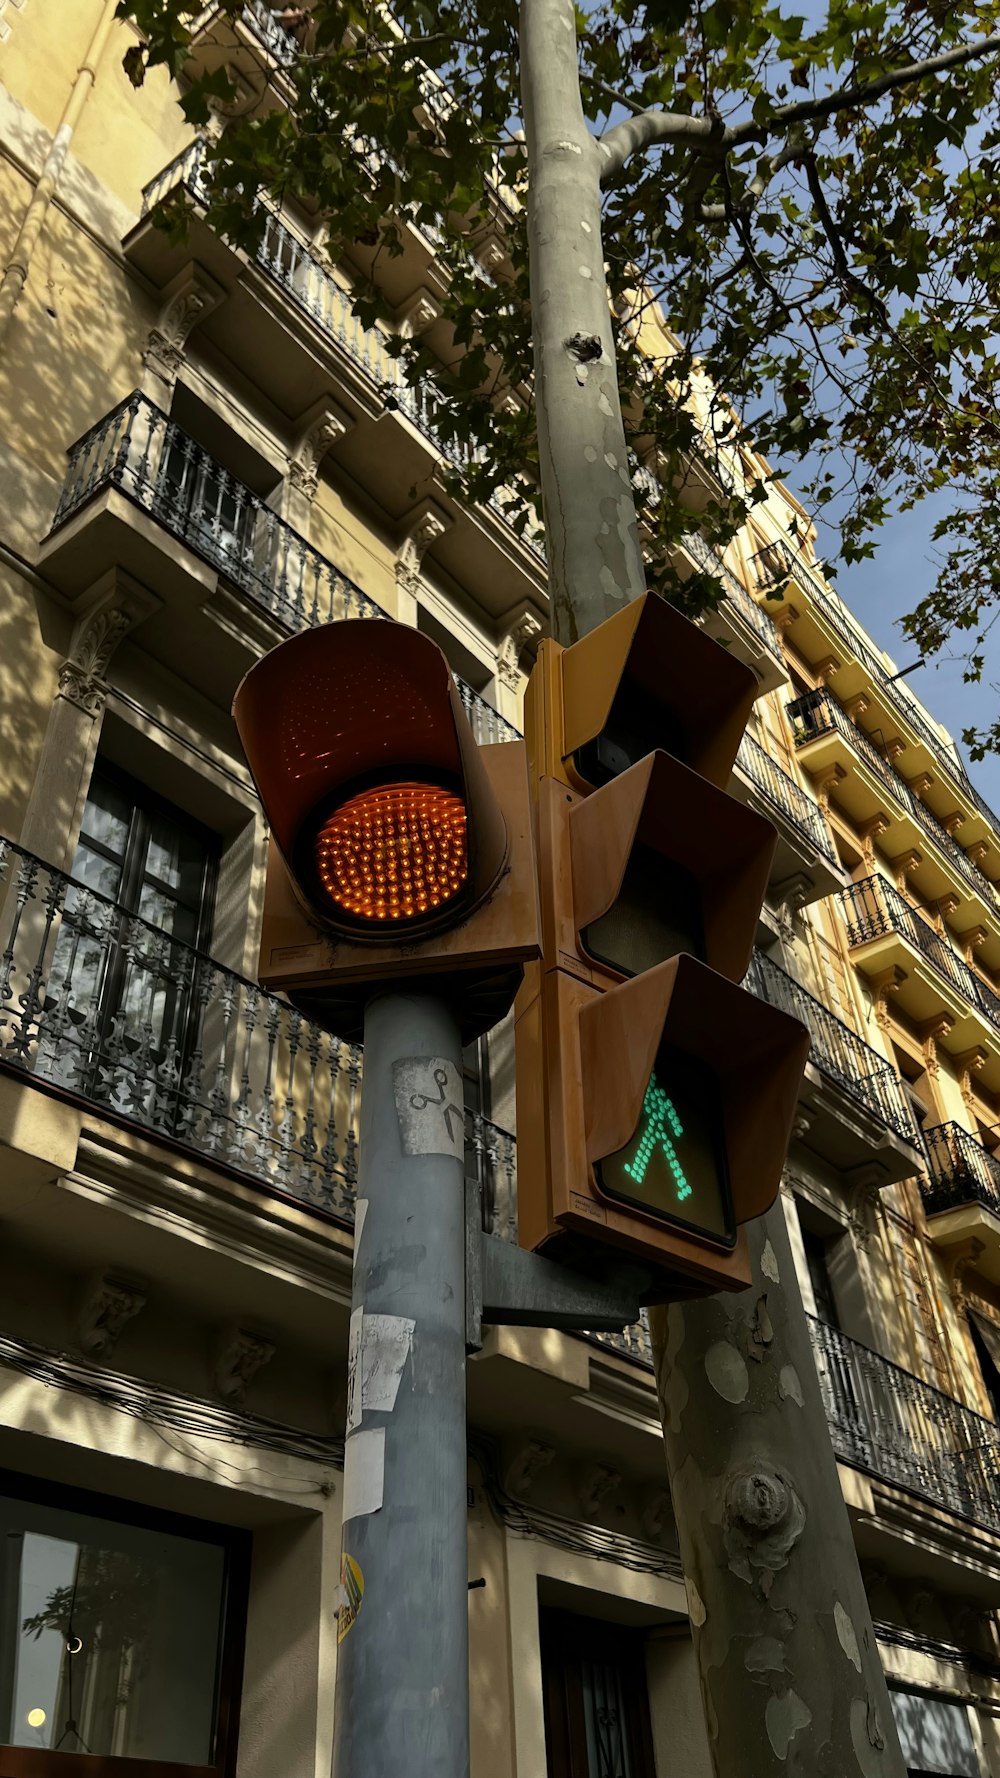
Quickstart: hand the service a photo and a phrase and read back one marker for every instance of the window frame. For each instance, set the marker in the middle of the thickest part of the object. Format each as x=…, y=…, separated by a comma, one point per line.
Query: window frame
x=237, y=1545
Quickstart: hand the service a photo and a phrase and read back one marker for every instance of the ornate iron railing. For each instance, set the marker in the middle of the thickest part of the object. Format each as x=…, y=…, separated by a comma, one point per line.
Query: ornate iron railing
x=959, y=1171
x=288, y=262
x=259, y=18
x=885, y=1420
x=101, y=1006
x=752, y=614
x=875, y=907
x=818, y=713
x=837, y=1051
x=785, y=796
x=898, y=694
x=143, y=454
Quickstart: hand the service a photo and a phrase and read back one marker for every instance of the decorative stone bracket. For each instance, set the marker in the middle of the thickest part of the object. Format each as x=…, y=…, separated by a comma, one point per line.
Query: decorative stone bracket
x=107, y=1305
x=117, y=605
x=319, y=429
x=597, y=1486
x=521, y=629
x=526, y=1465
x=788, y=898
x=417, y=313
x=239, y=1355
x=422, y=527
x=189, y=298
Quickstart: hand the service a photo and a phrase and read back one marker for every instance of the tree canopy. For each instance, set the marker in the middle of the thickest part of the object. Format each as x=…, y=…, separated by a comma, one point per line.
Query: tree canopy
x=810, y=204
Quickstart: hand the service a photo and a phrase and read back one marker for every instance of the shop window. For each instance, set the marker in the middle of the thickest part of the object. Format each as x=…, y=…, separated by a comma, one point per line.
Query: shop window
x=121, y=1634
x=596, y=1703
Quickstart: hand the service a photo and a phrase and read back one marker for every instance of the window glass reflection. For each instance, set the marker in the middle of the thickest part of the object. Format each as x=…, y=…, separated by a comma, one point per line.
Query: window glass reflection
x=110, y=1636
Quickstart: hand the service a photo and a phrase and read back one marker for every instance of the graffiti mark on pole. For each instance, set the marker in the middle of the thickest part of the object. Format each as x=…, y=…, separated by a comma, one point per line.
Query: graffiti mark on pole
x=429, y=1105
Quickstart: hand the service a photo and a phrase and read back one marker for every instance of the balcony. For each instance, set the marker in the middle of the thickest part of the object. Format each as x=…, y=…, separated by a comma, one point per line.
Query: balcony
x=869, y=788
x=854, y=1108
x=824, y=626
x=285, y=322
x=739, y=622
x=113, y=1014
x=887, y=1422
x=805, y=854
x=134, y=482
x=907, y=958
x=961, y=1194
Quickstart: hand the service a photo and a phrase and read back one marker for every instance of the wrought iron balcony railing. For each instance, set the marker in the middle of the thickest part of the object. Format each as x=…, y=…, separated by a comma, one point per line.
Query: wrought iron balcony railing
x=838, y=1052
x=312, y=287
x=875, y=907
x=139, y=451
x=959, y=1171
x=785, y=796
x=886, y=1421
x=752, y=614
x=895, y=691
x=104, y=1008
x=259, y=19
x=818, y=713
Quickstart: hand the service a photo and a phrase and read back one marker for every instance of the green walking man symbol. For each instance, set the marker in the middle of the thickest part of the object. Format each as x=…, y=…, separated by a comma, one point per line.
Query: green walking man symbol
x=661, y=1127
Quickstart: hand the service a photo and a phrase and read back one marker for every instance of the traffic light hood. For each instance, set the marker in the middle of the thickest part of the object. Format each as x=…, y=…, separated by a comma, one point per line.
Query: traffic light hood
x=359, y=722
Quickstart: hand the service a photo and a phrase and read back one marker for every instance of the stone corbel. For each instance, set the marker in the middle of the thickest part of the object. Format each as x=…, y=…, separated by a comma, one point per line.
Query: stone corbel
x=801, y=1125
x=107, y=1304
x=826, y=668
x=783, y=619
x=656, y=1516
x=856, y=706
x=491, y=254
x=825, y=783
x=239, y=1355
x=597, y=1486
x=904, y=864
x=977, y=851
x=188, y=299
x=422, y=527
x=921, y=783
x=962, y=1261
x=895, y=747
x=318, y=431
x=968, y=1064
x=871, y=831
x=417, y=313
x=951, y=823
x=863, y=1199
x=972, y=941
x=948, y=904
x=883, y=987
x=931, y=1032
x=527, y=1465
x=116, y=606
x=521, y=629
x=788, y=898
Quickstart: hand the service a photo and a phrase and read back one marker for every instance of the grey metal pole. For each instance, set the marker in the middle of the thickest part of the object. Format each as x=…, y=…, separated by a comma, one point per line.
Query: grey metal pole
x=402, y=1695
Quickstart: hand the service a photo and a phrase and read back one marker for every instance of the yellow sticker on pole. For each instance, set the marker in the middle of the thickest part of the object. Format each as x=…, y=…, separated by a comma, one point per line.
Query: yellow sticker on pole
x=352, y=1590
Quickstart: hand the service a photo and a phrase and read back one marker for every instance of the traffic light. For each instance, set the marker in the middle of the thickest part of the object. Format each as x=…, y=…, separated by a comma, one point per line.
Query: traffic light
x=655, y=1096
x=400, y=848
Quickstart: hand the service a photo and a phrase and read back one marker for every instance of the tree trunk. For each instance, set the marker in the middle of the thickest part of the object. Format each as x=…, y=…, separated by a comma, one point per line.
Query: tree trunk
x=594, y=558
x=790, y=1673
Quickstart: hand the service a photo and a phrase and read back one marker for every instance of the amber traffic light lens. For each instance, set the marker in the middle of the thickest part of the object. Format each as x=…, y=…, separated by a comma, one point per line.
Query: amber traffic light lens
x=394, y=853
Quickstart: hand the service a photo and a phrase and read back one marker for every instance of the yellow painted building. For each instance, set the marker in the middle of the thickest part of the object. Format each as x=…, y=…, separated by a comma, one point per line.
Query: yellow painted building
x=197, y=459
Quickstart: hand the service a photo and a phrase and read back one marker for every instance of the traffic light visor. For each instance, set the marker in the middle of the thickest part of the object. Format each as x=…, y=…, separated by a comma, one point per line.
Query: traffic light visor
x=371, y=778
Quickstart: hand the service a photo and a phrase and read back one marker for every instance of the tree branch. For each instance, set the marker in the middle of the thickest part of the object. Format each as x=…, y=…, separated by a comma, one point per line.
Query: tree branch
x=850, y=97
x=623, y=140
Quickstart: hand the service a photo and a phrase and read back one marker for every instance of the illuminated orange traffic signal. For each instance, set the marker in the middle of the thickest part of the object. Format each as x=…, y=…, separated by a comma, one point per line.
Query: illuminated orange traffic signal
x=655, y=1096
x=400, y=848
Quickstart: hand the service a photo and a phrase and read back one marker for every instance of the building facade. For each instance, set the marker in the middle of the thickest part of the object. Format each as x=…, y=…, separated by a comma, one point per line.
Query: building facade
x=203, y=452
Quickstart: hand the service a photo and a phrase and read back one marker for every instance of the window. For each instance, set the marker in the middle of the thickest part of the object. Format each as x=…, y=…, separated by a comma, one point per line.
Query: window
x=817, y=1259
x=596, y=1704
x=125, y=973
x=120, y=1636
